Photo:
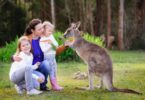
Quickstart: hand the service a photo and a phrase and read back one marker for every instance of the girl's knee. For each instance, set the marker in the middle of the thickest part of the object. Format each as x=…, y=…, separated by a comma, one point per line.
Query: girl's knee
x=28, y=68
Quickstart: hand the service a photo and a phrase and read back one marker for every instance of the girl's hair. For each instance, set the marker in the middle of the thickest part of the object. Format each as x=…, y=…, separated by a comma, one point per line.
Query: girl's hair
x=47, y=23
x=22, y=38
x=31, y=26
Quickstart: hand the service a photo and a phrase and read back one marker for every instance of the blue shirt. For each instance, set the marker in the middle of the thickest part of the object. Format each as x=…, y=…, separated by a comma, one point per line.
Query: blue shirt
x=38, y=55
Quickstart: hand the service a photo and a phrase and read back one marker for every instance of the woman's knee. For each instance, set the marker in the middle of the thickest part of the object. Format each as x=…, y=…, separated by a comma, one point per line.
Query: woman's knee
x=39, y=74
x=45, y=66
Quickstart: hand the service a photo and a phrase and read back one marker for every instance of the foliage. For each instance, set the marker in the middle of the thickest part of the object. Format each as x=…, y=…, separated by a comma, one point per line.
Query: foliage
x=7, y=51
x=12, y=22
x=68, y=55
x=138, y=42
x=93, y=39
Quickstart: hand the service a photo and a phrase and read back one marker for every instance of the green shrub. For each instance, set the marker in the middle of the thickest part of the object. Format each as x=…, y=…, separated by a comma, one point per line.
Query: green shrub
x=93, y=39
x=68, y=55
x=7, y=51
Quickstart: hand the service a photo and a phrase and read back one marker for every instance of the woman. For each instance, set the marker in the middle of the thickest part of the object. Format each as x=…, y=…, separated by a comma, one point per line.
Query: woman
x=34, y=31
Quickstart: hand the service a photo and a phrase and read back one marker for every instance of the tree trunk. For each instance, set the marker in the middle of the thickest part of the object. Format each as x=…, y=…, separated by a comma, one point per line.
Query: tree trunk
x=53, y=13
x=67, y=11
x=108, y=22
x=120, y=30
x=98, y=13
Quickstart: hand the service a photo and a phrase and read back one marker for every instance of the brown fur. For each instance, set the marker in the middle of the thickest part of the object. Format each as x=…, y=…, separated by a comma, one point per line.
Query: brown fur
x=97, y=59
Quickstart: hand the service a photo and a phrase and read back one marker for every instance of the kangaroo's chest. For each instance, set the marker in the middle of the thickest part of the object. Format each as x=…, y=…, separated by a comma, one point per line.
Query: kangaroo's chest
x=83, y=54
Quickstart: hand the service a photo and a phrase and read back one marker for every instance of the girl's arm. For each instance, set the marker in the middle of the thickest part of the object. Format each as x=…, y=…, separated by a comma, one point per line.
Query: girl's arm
x=54, y=42
x=43, y=46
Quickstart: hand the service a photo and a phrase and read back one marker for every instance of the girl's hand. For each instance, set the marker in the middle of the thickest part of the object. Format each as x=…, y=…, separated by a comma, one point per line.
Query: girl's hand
x=40, y=80
x=38, y=63
x=17, y=58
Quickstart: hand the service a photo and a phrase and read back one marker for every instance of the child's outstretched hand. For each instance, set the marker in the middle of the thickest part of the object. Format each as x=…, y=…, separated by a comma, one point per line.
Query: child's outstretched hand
x=47, y=41
x=40, y=80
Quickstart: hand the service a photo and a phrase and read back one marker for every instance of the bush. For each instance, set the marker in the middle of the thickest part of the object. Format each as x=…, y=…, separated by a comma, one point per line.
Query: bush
x=7, y=51
x=68, y=55
x=93, y=39
x=12, y=22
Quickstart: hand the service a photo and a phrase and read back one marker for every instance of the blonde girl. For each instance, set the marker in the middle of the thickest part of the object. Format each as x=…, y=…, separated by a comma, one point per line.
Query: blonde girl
x=22, y=73
x=48, y=45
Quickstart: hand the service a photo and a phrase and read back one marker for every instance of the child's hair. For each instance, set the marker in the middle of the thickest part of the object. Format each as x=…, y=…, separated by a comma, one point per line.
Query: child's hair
x=22, y=38
x=49, y=24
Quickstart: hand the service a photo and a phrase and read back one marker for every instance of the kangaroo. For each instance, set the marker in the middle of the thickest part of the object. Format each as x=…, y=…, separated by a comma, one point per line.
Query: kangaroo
x=97, y=59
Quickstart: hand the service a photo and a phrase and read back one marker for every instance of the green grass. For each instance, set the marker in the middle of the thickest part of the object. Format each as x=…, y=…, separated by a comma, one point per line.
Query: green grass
x=129, y=72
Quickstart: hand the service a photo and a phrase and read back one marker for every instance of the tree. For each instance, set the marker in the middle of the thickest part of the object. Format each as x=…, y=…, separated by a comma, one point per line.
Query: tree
x=53, y=12
x=108, y=22
x=120, y=28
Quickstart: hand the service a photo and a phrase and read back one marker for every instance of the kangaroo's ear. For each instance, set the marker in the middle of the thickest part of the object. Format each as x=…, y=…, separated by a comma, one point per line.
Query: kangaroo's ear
x=77, y=25
x=72, y=25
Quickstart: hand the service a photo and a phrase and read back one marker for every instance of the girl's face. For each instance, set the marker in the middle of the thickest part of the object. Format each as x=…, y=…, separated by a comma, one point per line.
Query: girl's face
x=48, y=30
x=38, y=30
x=25, y=46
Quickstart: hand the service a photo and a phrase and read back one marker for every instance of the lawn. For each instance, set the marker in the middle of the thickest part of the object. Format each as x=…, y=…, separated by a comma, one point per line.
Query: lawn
x=129, y=72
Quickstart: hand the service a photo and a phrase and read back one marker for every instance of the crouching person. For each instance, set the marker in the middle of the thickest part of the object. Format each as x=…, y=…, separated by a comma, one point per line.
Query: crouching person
x=22, y=73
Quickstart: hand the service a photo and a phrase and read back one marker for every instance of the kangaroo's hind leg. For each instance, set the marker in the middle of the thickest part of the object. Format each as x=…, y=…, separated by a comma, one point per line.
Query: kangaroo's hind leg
x=91, y=80
x=107, y=81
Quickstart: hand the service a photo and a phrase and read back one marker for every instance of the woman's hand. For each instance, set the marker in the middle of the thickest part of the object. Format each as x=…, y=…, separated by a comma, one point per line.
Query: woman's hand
x=17, y=58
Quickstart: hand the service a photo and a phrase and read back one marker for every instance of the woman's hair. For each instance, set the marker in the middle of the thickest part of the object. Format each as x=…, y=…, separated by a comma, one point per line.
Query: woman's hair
x=22, y=38
x=31, y=26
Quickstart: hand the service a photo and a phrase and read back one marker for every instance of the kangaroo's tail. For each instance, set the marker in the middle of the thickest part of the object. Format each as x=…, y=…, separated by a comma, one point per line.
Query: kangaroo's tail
x=107, y=80
x=126, y=91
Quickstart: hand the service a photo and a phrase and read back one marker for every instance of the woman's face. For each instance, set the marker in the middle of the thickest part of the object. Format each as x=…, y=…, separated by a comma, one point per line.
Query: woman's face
x=38, y=30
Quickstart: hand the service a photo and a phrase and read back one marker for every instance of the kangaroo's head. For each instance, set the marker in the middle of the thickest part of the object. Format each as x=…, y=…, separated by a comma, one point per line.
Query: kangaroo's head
x=73, y=31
